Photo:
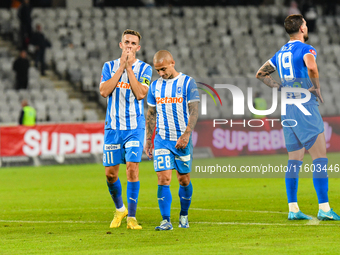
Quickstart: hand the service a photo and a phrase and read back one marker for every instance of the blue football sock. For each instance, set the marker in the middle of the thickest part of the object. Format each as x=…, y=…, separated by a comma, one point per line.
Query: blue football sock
x=185, y=194
x=164, y=201
x=292, y=179
x=132, y=192
x=115, y=190
x=320, y=179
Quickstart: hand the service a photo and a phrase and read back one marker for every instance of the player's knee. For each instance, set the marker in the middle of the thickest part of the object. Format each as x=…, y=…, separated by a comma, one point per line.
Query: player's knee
x=111, y=175
x=184, y=180
x=164, y=180
x=132, y=172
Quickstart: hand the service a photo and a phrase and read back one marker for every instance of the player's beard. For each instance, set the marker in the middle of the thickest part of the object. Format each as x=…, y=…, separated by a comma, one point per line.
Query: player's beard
x=305, y=37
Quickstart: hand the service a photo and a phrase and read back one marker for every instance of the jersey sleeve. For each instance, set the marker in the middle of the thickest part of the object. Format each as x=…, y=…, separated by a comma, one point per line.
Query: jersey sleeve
x=308, y=49
x=145, y=77
x=192, y=92
x=272, y=61
x=151, y=95
x=105, y=73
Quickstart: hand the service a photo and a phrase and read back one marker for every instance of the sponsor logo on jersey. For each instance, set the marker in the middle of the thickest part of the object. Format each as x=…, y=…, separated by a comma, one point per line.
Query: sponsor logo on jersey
x=183, y=158
x=123, y=85
x=132, y=144
x=313, y=52
x=169, y=100
x=162, y=152
x=112, y=147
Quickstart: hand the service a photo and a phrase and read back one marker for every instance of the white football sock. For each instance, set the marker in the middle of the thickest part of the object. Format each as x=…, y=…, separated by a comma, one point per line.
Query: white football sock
x=293, y=207
x=122, y=209
x=324, y=207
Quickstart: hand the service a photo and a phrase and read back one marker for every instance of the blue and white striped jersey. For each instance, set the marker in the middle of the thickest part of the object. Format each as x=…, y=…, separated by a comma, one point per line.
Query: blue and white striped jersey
x=124, y=111
x=292, y=68
x=171, y=98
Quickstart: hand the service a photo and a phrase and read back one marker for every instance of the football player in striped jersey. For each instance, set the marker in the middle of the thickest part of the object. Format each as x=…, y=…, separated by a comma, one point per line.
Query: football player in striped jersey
x=173, y=106
x=125, y=83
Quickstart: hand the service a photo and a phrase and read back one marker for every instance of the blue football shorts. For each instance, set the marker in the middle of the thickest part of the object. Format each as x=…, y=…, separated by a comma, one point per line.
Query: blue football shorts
x=308, y=127
x=121, y=146
x=167, y=157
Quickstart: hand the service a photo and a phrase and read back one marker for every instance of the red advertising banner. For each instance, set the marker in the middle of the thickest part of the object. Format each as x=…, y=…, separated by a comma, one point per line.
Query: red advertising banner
x=54, y=139
x=242, y=137
x=236, y=137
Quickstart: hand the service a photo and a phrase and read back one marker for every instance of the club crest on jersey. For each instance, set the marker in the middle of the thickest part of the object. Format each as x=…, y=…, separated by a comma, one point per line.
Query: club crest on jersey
x=313, y=52
x=179, y=90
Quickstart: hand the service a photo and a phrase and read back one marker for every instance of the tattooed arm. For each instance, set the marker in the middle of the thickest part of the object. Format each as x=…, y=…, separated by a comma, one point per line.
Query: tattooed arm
x=263, y=74
x=150, y=126
x=183, y=141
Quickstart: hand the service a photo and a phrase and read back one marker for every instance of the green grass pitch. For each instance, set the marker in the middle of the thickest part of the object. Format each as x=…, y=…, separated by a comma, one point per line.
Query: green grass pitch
x=68, y=210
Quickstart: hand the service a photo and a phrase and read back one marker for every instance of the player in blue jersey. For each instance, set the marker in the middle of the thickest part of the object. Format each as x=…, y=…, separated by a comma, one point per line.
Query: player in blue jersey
x=124, y=82
x=173, y=101
x=296, y=65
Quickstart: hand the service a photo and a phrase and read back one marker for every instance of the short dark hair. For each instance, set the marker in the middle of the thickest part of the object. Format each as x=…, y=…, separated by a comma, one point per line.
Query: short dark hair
x=132, y=32
x=293, y=23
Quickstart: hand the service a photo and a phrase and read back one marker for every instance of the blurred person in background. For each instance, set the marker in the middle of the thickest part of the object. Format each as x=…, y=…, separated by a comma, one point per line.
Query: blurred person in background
x=293, y=8
x=25, y=31
x=40, y=42
x=310, y=14
x=28, y=115
x=20, y=67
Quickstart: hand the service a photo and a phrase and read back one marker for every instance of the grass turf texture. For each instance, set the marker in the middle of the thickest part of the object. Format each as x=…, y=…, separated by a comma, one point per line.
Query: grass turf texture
x=68, y=210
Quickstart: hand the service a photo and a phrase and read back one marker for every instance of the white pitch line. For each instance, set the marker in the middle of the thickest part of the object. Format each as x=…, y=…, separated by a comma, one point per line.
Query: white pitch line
x=263, y=224
x=57, y=222
x=222, y=210
x=148, y=208
x=197, y=222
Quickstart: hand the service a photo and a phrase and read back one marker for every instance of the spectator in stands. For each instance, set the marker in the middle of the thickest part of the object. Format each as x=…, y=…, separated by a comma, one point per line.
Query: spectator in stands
x=20, y=67
x=25, y=32
x=28, y=116
x=40, y=42
x=5, y=4
x=294, y=8
x=310, y=14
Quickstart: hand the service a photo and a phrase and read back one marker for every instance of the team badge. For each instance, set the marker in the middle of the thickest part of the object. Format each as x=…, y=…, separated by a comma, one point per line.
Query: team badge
x=313, y=52
x=179, y=90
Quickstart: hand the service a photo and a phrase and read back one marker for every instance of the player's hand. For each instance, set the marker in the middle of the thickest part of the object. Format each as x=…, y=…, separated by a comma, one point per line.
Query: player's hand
x=148, y=148
x=130, y=59
x=123, y=58
x=316, y=92
x=183, y=141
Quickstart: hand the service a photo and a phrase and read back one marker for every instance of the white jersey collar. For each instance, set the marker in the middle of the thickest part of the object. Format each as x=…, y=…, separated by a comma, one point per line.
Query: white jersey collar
x=175, y=78
x=294, y=41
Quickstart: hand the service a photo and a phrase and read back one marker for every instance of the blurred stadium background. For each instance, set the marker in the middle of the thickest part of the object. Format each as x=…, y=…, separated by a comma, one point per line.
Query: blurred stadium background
x=216, y=42
x=67, y=210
